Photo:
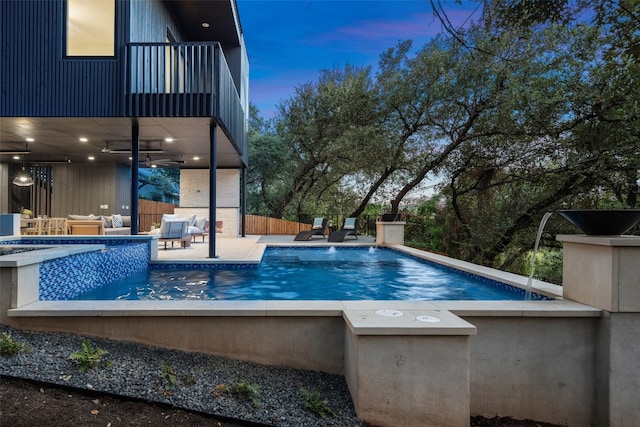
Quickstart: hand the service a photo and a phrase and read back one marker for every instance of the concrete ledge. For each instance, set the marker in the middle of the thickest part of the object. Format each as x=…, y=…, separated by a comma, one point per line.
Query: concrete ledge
x=396, y=322
x=623, y=240
x=124, y=308
x=44, y=253
x=148, y=308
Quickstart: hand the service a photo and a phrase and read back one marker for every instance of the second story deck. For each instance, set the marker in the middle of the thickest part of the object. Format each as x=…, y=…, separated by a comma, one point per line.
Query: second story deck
x=182, y=80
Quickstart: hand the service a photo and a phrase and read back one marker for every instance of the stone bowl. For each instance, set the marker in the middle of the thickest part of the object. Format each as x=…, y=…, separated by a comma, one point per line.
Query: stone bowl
x=604, y=222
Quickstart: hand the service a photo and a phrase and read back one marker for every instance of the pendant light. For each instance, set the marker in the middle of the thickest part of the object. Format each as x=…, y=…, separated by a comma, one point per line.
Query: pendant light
x=23, y=179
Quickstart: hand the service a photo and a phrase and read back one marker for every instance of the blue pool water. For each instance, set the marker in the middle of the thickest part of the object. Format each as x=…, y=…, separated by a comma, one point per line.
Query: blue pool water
x=326, y=273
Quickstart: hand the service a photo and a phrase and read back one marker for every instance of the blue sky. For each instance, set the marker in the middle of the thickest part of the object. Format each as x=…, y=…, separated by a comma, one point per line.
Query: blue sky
x=290, y=41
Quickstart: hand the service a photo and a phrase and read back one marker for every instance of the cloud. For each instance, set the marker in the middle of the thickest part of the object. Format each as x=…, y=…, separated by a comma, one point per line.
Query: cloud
x=289, y=42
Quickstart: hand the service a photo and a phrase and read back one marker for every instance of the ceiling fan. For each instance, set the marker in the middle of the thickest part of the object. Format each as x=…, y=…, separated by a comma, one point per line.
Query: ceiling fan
x=123, y=147
x=150, y=163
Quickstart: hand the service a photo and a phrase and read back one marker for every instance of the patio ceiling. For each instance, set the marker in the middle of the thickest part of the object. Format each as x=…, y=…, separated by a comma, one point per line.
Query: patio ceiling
x=57, y=139
x=221, y=17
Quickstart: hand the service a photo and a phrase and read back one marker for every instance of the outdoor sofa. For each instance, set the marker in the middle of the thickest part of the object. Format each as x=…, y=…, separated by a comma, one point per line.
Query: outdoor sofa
x=114, y=224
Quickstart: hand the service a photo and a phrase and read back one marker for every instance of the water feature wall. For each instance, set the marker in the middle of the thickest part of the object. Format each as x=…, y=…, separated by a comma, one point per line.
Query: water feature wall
x=63, y=267
x=66, y=278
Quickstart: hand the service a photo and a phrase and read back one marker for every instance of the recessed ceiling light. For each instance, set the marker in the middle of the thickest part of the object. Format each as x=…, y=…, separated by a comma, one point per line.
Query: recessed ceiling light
x=16, y=157
x=168, y=139
x=83, y=139
x=30, y=139
x=196, y=158
x=91, y=158
x=205, y=25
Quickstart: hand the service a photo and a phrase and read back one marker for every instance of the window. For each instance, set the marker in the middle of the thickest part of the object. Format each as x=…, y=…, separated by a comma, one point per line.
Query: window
x=91, y=27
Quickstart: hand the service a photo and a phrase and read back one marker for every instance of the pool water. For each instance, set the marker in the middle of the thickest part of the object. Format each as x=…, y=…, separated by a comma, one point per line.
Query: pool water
x=326, y=273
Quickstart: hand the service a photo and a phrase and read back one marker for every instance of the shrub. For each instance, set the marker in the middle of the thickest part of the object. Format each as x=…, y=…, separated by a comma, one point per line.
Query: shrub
x=88, y=357
x=9, y=347
x=316, y=404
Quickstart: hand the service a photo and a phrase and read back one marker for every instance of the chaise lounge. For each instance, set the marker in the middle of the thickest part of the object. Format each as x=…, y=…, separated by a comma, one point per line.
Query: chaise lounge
x=349, y=228
x=317, y=229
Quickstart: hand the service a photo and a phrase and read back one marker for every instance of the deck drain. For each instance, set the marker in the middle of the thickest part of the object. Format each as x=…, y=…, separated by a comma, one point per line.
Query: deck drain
x=428, y=319
x=389, y=313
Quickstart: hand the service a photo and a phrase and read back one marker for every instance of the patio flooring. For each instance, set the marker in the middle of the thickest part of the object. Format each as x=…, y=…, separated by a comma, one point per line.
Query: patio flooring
x=245, y=249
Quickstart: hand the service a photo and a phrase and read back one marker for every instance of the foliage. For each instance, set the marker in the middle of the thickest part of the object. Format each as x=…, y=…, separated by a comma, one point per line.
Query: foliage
x=425, y=226
x=316, y=404
x=159, y=184
x=88, y=357
x=169, y=376
x=531, y=109
x=241, y=389
x=10, y=347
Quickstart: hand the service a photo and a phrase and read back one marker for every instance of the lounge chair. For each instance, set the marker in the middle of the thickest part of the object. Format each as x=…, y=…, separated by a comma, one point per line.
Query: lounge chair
x=317, y=229
x=173, y=230
x=349, y=228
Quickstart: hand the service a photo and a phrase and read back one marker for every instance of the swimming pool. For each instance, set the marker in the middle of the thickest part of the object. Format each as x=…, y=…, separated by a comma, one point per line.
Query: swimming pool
x=326, y=273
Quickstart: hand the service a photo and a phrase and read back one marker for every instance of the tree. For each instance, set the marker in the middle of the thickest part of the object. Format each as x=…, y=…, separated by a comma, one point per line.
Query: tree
x=574, y=138
x=330, y=126
x=271, y=163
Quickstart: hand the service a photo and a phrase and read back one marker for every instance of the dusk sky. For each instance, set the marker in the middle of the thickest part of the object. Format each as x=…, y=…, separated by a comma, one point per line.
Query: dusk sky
x=290, y=41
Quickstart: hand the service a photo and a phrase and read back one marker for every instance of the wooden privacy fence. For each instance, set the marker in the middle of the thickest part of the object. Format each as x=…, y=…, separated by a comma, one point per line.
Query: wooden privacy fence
x=150, y=211
x=264, y=225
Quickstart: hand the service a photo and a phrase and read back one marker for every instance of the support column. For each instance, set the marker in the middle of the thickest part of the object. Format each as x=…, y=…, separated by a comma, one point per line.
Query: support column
x=135, y=164
x=243, y=202
x=409, y=368
x=604, y=272
x=390, y=232
x=213, y=169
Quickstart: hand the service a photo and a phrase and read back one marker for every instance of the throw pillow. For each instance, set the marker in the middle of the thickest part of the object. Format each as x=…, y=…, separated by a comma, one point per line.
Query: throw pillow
x=116, y=220
x=201, y=222
x=106, y=221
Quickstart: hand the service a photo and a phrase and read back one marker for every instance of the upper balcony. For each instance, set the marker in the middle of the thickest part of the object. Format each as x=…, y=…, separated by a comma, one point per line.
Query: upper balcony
x=183, y=80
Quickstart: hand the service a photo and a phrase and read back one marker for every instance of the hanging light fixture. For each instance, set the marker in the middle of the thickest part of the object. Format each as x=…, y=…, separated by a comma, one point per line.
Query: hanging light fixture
x=23, y=179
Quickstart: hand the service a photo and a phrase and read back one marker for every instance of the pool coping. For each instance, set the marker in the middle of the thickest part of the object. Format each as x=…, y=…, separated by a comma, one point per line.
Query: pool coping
x=277, y=308
x=48, y=252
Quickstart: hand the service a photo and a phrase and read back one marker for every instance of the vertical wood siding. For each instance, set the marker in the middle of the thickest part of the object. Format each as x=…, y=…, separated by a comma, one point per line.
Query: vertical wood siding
x=36, y=78
x=152, y=20
x=81, y=189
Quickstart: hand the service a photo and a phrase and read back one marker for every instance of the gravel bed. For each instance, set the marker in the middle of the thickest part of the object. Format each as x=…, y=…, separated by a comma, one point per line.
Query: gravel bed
x=136, y=371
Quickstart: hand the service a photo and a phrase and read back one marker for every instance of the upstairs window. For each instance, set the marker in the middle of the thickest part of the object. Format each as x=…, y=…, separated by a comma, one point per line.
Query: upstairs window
x=91, y=27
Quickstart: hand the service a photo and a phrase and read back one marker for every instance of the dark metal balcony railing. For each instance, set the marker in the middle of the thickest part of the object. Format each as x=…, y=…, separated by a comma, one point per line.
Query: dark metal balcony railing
x=183, y=80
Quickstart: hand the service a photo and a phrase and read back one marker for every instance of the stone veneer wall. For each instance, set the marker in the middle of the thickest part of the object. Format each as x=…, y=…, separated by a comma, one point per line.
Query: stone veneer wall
x=194, y=197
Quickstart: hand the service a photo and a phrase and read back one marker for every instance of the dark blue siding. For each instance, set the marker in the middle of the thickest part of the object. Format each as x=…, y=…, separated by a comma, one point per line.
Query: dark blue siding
x=35, y=77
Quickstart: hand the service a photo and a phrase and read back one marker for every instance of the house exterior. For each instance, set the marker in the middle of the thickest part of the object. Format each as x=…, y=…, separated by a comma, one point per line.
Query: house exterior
x=92, y=89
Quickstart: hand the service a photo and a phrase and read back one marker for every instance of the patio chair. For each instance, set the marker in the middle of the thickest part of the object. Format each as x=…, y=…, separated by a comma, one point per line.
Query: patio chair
x=317, y=229
x=57, y=226
x=199, y=228
x=349, y=228
x=39, y=227
x=173, y=230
